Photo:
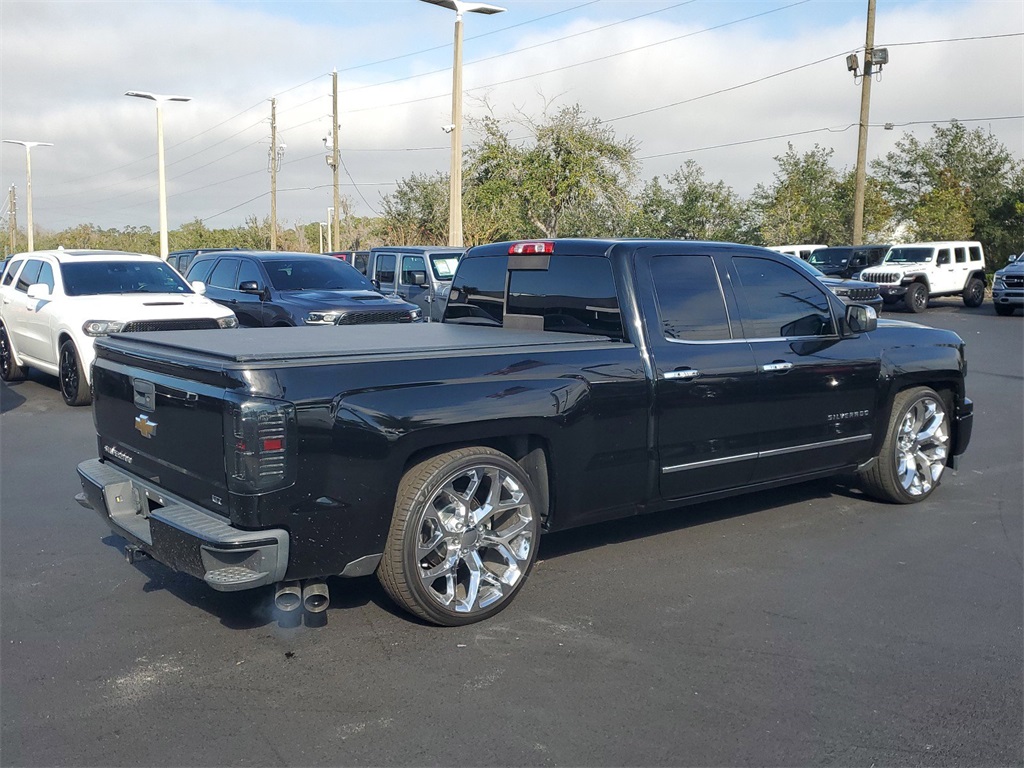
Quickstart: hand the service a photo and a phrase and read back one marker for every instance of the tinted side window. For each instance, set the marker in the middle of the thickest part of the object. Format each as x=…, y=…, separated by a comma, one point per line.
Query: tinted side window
x=478, y=291
x=414, y=270
x=29, y=275
x=574, y=294
x=223, y=275
x=200, y=270
x=975, y=253
x=961, y=255
x=12, y=268
x=690, y=301
x=249, y=272
x=779, y=302
x=359, y=259
x=385, y=270
x=46, y=276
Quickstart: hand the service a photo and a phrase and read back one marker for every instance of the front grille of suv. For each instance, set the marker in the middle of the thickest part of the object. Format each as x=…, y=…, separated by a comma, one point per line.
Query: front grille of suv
x=1014, y=281
x=375, y=316
x=175, y=324
x=881, y=277
x=863, y=294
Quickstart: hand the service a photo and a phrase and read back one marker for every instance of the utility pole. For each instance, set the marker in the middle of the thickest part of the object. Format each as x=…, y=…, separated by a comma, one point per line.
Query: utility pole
x=871, y=57
x=335, y=165
x=13, y=218
x=273, y=174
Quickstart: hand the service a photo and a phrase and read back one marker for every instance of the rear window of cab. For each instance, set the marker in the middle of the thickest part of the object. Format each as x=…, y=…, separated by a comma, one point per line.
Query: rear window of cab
x=575, y=294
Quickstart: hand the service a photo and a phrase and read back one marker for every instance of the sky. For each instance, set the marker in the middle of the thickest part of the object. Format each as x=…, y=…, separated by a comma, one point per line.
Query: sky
x=724, y=83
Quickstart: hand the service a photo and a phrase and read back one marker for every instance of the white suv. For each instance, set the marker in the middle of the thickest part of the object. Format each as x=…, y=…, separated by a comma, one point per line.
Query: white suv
x=54, y=303
x=915, y=272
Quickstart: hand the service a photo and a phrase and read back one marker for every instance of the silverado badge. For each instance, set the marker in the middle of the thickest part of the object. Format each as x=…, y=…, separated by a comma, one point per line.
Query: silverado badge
x=146, y=427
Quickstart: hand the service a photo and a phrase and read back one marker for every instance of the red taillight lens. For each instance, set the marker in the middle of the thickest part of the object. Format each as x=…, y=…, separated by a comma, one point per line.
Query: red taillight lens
x=260, y=436
x=540, y=246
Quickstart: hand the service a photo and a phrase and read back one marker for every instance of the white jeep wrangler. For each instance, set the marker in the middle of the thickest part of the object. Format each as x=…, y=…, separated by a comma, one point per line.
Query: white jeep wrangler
x=915, y=272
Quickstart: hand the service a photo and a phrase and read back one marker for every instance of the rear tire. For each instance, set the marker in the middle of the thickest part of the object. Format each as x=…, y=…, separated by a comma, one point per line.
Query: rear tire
x=913, y=456
x=9, y=369
x=463, y=538
x=73, y=386
x=974, y=293
x=1004, y=310
x=917, y=297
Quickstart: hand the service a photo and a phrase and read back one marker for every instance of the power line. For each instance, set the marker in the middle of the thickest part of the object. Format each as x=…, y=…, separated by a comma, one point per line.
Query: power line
x=830, y=130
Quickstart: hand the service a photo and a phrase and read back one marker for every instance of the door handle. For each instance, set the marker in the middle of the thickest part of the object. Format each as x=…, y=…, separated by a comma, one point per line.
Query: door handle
x=685, y=375
x=776, y=367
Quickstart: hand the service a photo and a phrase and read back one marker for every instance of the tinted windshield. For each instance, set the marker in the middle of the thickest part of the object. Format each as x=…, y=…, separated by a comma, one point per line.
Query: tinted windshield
x=91, y=278
x=832, y=257
x=444, y=265
x=315, y=273
x=908, y=255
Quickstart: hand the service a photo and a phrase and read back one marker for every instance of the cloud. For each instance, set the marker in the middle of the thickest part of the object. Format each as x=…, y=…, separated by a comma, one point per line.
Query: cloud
x=65, y=66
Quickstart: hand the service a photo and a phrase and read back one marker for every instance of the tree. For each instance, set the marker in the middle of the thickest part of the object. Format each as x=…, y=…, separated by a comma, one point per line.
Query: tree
x=878, y=215
x=690, y=208
x=417, y=212
x=802, y=204
x=929, y=173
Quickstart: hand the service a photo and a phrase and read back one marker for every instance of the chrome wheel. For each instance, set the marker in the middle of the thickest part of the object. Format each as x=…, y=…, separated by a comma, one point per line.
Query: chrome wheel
x=475, y=539
x=921, y=446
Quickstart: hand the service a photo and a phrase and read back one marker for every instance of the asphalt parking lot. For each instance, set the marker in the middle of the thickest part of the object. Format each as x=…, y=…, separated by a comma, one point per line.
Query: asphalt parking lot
x=803, y=626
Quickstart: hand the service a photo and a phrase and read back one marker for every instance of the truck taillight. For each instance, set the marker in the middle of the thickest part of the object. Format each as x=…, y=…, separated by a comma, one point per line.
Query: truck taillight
x=260, y=445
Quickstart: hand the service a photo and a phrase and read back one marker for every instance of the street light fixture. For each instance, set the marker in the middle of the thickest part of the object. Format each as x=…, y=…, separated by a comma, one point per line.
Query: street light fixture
x=162, y=182
x=28, y=181
x=455, y=176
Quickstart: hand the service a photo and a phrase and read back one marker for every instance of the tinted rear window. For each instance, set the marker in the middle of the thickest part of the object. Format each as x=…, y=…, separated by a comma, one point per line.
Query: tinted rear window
x=576, y=294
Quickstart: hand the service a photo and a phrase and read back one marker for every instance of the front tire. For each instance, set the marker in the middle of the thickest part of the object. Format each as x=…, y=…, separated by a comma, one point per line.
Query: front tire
x=917, y=297
x=913, y=456
x=1004, y=310
x=974, y=293
x=9, y=369
x=463, y=538
x=73, y=386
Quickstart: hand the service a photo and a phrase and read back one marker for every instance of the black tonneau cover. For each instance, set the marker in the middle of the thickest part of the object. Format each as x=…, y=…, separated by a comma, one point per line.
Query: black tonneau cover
x=279, y=345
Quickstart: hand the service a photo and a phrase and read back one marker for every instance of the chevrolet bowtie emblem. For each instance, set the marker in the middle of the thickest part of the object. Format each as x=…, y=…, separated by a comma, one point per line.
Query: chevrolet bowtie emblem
x=146, y=427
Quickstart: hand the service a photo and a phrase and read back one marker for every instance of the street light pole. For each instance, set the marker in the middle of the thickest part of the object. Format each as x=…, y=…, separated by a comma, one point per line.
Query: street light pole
x=455, y=172
x=28, y=182
x=161, y=178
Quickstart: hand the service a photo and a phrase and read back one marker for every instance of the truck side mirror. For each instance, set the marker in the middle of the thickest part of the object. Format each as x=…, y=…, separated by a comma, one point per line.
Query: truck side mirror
x=249, y=286
x=199, y=287
x=861, y=318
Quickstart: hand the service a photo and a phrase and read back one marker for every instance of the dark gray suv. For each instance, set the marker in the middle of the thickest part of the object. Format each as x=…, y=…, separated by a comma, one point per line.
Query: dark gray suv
x=271, y=288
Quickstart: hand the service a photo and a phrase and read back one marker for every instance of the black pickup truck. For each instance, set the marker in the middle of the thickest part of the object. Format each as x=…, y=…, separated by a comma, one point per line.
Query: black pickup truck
x=572, y=381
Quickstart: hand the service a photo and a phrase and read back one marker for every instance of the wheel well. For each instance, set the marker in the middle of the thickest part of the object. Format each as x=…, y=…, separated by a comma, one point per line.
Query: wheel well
x=980, y=274
x=531, y=452
x=61, y=338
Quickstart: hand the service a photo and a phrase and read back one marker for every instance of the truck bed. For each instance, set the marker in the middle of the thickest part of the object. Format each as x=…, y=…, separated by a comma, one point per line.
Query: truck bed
x=273, y=346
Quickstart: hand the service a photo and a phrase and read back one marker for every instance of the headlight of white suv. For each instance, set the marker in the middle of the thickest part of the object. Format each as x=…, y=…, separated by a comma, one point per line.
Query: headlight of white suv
x=101, y=327
x=227, y=322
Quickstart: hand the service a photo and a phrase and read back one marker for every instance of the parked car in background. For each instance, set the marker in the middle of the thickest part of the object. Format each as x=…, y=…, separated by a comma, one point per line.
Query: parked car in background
x=420, y=274
x=1008, y=287
x=849, y=291
x=847, y=260
x=182, y=260
x=273, y=288
x=916, y=272
x=800, y=251
x=54, y=304
x=357, y=259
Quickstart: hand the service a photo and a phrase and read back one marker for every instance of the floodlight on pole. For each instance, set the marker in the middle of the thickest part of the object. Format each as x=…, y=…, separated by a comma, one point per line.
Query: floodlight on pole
x=28, y=182
x=161, y=177
x=455, y=175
